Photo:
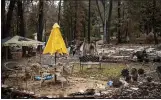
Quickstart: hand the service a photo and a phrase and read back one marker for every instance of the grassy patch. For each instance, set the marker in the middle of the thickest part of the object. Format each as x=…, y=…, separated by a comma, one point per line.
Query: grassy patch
x=107, y=72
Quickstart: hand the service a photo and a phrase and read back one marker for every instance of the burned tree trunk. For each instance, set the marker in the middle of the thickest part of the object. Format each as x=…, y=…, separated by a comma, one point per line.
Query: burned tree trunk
x=40, y=23
x=104, y=27
x=40, y=20
x=119, y=16
x=21, y=18
x=154, y=22
x=109, y=22
x=99, y=12
x=75, y=22
x=59, y=12
x=89, y=20
x=3, y=17
x=9, y=18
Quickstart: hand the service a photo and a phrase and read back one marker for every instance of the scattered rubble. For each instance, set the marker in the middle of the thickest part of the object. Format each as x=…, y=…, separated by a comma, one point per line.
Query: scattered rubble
x=144, y=91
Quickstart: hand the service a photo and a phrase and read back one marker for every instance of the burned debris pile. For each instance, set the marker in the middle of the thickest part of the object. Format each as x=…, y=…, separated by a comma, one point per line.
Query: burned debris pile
x=144, y=91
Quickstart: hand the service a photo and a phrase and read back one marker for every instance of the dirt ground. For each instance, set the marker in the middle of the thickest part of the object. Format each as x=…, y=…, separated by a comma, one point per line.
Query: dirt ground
x=76, y=83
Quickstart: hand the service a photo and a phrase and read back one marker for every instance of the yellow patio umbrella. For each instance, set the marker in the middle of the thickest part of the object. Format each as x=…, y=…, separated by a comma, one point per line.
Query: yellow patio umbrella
x=55, y=43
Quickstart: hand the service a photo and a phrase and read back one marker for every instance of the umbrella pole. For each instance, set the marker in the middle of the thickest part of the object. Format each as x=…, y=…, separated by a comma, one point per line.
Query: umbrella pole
x=55, y=58
x=55, y=78
x=51, y=60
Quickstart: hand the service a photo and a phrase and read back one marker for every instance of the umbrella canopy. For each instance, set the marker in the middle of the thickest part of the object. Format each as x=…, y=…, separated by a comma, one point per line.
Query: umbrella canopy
x=55, y=42
x=20, y=41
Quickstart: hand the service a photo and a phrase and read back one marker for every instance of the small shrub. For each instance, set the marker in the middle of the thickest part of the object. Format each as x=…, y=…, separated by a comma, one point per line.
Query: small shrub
x=133, y=71
x=140, y=71
x=125, y=72
x=134, y=74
